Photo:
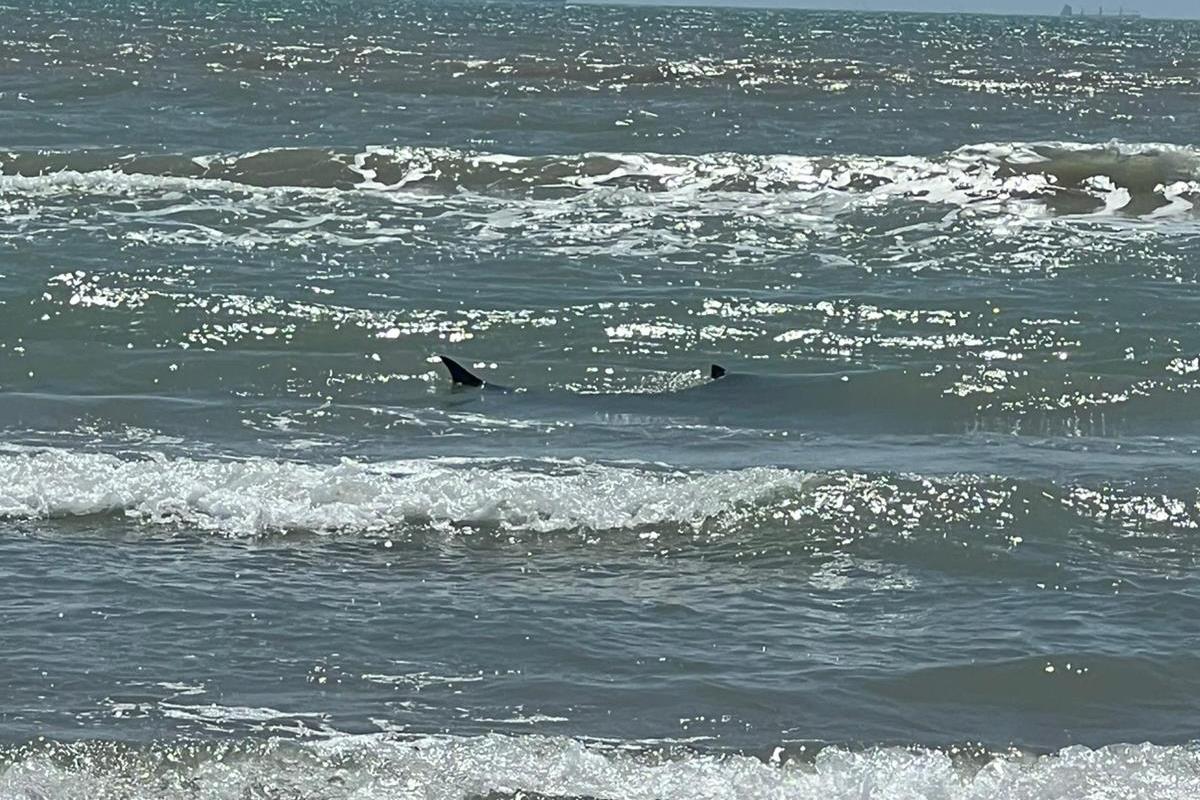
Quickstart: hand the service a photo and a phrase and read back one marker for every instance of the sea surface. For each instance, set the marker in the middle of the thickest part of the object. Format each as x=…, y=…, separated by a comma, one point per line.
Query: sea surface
x=935, y=535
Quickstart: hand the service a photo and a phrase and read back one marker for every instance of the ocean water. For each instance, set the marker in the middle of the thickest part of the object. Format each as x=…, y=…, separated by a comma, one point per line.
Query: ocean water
x=935, y=535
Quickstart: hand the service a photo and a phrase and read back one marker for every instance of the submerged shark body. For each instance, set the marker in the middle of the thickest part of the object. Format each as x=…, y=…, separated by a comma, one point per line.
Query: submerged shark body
x=872, y=403
x=629, y=407
x=729, y=399
x=461, y=376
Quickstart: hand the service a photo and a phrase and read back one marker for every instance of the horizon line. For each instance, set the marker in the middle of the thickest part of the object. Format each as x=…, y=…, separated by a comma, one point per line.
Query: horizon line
x=786, y=5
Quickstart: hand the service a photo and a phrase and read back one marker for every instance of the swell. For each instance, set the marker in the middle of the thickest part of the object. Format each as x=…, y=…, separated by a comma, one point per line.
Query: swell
x=554, y=48
x=1056, y=684
x=834, y=365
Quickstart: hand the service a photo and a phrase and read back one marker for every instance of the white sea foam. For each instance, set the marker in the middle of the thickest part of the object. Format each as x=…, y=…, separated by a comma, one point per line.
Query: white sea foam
x=261, y=495
x=662, y=205
x=978, y=175
x=450, y=768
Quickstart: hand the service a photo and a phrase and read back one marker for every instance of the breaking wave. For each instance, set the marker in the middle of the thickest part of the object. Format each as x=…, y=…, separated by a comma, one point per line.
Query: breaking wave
x=1139, y=179
x=497, y=767
x=262, y=496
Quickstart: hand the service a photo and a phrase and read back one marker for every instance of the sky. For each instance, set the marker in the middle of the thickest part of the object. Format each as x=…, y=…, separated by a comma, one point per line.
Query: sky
x=1149, y=8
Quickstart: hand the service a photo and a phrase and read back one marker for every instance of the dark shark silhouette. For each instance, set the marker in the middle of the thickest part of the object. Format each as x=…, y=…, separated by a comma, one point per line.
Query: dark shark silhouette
x=461, y=376
x=857, y=401
x=901, y=401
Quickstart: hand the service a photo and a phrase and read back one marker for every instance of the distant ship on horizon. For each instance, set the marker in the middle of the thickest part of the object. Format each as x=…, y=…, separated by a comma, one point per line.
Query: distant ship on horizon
x=1068, y=11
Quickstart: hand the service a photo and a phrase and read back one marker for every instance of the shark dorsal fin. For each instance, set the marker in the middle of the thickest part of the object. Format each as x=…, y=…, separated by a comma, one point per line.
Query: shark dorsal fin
x=460, y=374
x=716, y=371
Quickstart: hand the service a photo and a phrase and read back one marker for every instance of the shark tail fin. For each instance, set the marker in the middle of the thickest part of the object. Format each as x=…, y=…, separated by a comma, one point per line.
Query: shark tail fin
x=716, y=371
x=460, y=374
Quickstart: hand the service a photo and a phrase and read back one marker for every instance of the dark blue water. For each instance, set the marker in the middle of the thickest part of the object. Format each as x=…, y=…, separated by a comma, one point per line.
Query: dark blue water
x=933, y=535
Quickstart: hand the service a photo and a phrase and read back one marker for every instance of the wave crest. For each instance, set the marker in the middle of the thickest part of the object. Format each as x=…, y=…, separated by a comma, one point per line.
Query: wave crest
x=496, y=767
x=261, y=496
x=1067, y=178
